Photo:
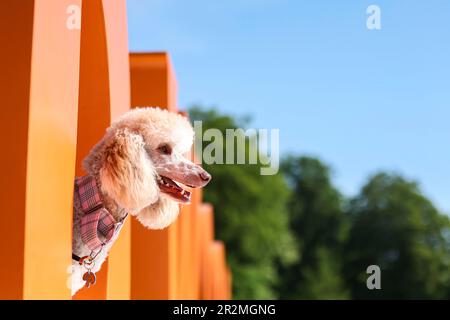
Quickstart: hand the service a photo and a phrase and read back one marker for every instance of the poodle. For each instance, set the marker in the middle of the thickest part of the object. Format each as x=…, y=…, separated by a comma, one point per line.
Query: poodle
x=138, y=169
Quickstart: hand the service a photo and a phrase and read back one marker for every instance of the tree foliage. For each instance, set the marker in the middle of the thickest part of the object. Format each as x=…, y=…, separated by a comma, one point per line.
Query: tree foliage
x=250, y=216
x=397, y=228
x=295, y=236
x=318, y=223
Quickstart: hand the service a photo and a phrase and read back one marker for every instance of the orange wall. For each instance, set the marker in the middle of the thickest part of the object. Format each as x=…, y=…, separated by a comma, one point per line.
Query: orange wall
x=104, y=95
x=61, y=87
x=175, y=263
x=39, y=90
x=154, y=255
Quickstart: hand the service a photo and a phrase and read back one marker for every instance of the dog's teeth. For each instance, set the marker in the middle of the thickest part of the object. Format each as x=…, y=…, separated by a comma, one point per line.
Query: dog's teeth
x=182, y=192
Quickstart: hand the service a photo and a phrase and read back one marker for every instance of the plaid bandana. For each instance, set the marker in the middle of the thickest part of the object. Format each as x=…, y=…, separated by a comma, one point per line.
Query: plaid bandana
x=96, y=219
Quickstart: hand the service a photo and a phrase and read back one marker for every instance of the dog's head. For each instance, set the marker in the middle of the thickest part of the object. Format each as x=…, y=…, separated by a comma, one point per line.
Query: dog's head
x=140, y=165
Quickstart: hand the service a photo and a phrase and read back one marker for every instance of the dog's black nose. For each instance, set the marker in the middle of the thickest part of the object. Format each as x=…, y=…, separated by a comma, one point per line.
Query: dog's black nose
x=205, y=176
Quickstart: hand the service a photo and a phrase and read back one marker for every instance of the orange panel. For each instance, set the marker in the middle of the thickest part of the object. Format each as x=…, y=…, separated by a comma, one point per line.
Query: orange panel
x=184, y=253
x=195, y=250
x=228, y=284
x=153, y=253
x=206, y=230
x=185, y=244
x=119, y=266
x=119, y=86
x=39, y=84
x=215, y=269
x=188, y=247
x=217, y=251
x=192, y=252
x=208, y=266
x=104, y=95
x=153, y=81
x=16, y=30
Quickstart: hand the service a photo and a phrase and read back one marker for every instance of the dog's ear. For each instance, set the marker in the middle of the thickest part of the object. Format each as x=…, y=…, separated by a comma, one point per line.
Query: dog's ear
x=127, y=173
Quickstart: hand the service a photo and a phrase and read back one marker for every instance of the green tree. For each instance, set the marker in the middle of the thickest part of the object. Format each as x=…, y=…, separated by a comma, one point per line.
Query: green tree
x=250, y=215
x=294, y=236
x=318, y=223
x=397, y=228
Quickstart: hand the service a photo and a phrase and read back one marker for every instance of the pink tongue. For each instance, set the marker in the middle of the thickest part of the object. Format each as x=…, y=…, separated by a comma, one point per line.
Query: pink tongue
x=169, y=184
x=170, y=187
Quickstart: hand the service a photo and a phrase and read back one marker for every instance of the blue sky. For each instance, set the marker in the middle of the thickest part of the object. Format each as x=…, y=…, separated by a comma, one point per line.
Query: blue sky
x=363, y=100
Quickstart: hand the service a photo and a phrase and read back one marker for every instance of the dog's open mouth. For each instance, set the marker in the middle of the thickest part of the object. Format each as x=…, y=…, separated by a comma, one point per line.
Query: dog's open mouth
x=173, y=189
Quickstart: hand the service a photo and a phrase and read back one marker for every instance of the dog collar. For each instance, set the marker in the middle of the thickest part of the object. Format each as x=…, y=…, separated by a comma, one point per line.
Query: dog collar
x=96, y=220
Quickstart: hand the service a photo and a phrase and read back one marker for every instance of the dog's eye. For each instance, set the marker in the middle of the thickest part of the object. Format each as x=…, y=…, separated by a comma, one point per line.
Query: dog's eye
x=165, y=149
